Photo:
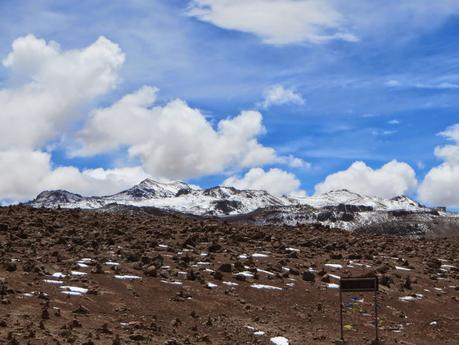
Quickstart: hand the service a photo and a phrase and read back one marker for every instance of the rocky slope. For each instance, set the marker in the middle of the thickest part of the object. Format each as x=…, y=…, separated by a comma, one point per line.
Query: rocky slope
x=91, y=277
x=337, y=209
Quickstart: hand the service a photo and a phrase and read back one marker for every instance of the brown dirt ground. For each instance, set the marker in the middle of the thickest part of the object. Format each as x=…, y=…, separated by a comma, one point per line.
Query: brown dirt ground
x=161, y=250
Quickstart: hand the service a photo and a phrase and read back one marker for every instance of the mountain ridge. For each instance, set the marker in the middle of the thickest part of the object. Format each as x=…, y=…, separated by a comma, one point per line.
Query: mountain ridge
x=342, y=208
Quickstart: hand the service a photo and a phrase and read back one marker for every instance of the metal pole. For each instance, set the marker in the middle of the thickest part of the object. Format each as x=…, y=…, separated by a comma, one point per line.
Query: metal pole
x=376, y=316
x=341, y=315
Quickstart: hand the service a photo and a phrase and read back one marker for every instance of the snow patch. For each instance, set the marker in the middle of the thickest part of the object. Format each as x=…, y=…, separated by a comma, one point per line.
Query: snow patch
x=411, y=298
x=263, y=286
x=279, y=341
x=127, y=277
x=50, y=281
x=402, y=268
x=332, y=286
x=74, y=289
x=78, y=273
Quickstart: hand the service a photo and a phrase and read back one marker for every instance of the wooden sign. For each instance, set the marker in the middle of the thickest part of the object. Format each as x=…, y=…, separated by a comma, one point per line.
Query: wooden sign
x=359, y=284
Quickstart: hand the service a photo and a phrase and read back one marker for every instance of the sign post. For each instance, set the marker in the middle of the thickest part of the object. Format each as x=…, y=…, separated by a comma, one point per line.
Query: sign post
x=358, y=284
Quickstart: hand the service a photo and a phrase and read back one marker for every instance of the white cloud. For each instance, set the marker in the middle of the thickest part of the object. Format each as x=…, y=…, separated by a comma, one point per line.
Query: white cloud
x=279, y=95
x=93, y=182
x=24, y=174
x=274, y=181
x=275, y=21
x=47, y=92
x=21, y=173
x=392, y=83
x=441, y=184
x=47, y=95
x=438, y=86
x=280, y=22
x=392, y=179
x=393, y=122
x=51, y=86
x=176, y=141
x=380, y=132
x=294, y=162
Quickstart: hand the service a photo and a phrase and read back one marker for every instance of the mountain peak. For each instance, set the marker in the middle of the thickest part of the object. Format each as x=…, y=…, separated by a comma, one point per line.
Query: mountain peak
x=343, y=191
x=150, y=183
x=54, y=198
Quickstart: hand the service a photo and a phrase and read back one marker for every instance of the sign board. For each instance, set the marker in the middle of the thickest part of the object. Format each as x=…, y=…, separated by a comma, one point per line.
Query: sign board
x=359, y=284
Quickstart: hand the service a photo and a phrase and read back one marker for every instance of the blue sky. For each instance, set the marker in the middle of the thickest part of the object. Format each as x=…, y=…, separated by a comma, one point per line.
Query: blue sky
x=378, y=84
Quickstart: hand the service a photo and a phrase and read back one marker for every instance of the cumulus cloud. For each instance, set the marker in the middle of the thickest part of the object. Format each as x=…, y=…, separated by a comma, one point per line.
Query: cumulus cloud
x=21, y=173
x=47, y=92
x=441, y=184
x=275, y=181
x=24, y=174
x=51, y=86
x=94, y=182
x=392, y=179
x=279, y=95
x=275, y=21
x=176, y=141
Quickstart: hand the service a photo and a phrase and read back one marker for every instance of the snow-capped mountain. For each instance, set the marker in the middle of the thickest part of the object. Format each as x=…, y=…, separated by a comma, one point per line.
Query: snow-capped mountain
x=150, y=189
x=58, y=197
x=345, y=197
x=174, y=196
x=338, y=209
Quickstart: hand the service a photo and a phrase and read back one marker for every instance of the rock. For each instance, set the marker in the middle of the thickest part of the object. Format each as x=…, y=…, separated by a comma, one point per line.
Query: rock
x=407, y=283
x=383, y=269
x=10, y=266
x=97, y=269
x=434, y=264
x=293, y=255
x=227, y=268
x=176, y=323
x=325, y=279
x=45, y=314
x=117, y=340
x=158, y=261
x=104, y=329
x=151, y=271
x=191, y=275
x=309, y=276
x=132, y=256
x=81, y=310
x=385, y=280
x=137, y=337
x=336, y=256
x=214, y=247
x=28, y=266
x=239, y=266
x=172, y=342
x=294, y=272
x=75, y=323
x=218, y=275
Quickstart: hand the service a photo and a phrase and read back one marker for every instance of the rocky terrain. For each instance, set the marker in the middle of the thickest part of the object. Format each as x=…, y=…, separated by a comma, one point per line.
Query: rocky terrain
x=341, y=209
x=145, y=276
